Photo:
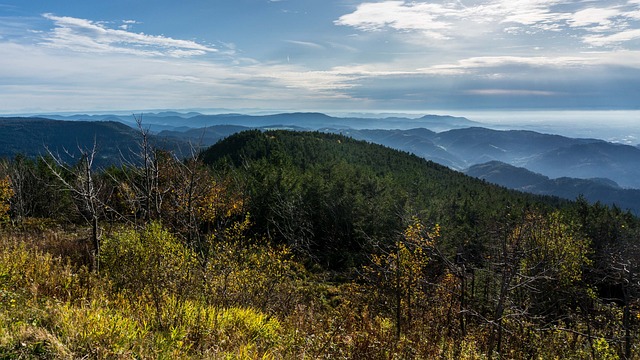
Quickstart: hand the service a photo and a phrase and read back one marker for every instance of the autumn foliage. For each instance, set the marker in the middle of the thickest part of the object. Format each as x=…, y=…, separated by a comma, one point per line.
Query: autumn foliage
x=6, y=193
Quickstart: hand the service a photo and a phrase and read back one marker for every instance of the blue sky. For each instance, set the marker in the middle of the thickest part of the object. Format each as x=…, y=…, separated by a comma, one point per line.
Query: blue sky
x=318, y=55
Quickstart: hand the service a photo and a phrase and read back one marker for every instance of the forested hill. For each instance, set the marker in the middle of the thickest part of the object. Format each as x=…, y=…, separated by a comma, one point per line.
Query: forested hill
x=33, y=137
x=336, y=197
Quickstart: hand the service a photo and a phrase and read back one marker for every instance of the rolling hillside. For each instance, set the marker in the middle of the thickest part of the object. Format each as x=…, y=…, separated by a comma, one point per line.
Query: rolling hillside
x=551, y=156
x=594, y=190
x=620, y=163
x=336, y=197
x=114, y=141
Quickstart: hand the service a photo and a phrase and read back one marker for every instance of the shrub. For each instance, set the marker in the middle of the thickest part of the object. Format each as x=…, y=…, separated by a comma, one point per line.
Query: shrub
x=6, y=193
x=150, y=264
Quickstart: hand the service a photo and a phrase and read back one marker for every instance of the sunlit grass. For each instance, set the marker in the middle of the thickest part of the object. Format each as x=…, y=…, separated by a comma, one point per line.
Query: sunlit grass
x=51, y=308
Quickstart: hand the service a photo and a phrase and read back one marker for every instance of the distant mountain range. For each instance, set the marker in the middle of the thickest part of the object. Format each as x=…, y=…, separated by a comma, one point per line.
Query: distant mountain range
x=310, y=121
x=597, y=189
x=455, y=142
x=551, y=155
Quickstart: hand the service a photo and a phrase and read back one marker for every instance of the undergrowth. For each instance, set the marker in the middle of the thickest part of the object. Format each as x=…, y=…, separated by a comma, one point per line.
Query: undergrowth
x=153, y=297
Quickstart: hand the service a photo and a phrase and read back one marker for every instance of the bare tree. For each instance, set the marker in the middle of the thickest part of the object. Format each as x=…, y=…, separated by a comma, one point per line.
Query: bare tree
x=80, y=181
x=623, y=267
x=145, y=175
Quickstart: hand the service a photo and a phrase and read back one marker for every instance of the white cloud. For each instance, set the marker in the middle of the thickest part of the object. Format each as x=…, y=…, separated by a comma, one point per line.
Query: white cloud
x=439, y=20
x=622, y=58
x=635, y=14
x=492, y=48
x=328, y=83
x=528, y=12
x=87, y=36
x=614, y=39
x=484, y=62
x=495, y=67
x=399, y=15
x=373, y=70
x=127, y=24
x=594, y=16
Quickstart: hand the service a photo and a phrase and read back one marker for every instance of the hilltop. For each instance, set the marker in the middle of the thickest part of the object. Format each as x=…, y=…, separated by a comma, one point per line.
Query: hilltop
x=352, y=194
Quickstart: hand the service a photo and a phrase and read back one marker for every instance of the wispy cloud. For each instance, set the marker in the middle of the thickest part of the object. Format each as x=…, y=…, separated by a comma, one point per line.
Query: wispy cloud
x=115, y=80
x=535, y=13
x=127, y=24
x=307, y=44
x=602, y=17
x=441, y=20
x=505, y=61
x=167, y=71
x=613, y=39
x=493, y=67
x=82, y=35
x=469, y=66
x=447, y=20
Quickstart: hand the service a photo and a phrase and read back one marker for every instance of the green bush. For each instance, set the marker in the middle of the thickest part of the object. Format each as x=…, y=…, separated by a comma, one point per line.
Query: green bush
x=149, y=264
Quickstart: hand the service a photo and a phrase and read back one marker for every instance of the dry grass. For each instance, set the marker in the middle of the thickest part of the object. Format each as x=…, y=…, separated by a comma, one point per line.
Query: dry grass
x=52, y=307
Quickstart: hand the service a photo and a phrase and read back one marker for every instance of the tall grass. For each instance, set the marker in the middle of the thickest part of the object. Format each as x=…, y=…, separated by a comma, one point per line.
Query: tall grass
x=51, y=308
x=153, y=299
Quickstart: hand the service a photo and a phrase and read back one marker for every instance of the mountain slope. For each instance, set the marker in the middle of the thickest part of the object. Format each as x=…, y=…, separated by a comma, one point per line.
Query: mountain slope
x=335, y=197
x=461, y=148
x=416, y=141
x=206, y=136
x=478, y=145
x=620, y=163
x=36, y=136
x=458, y=144
x=550, y=155
x=605, y=191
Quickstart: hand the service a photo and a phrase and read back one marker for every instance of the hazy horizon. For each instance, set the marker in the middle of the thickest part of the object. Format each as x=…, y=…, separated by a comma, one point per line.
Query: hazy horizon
x=609, y=125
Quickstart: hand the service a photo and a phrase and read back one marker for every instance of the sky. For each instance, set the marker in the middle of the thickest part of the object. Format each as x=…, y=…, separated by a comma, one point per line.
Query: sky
x=319, y=55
